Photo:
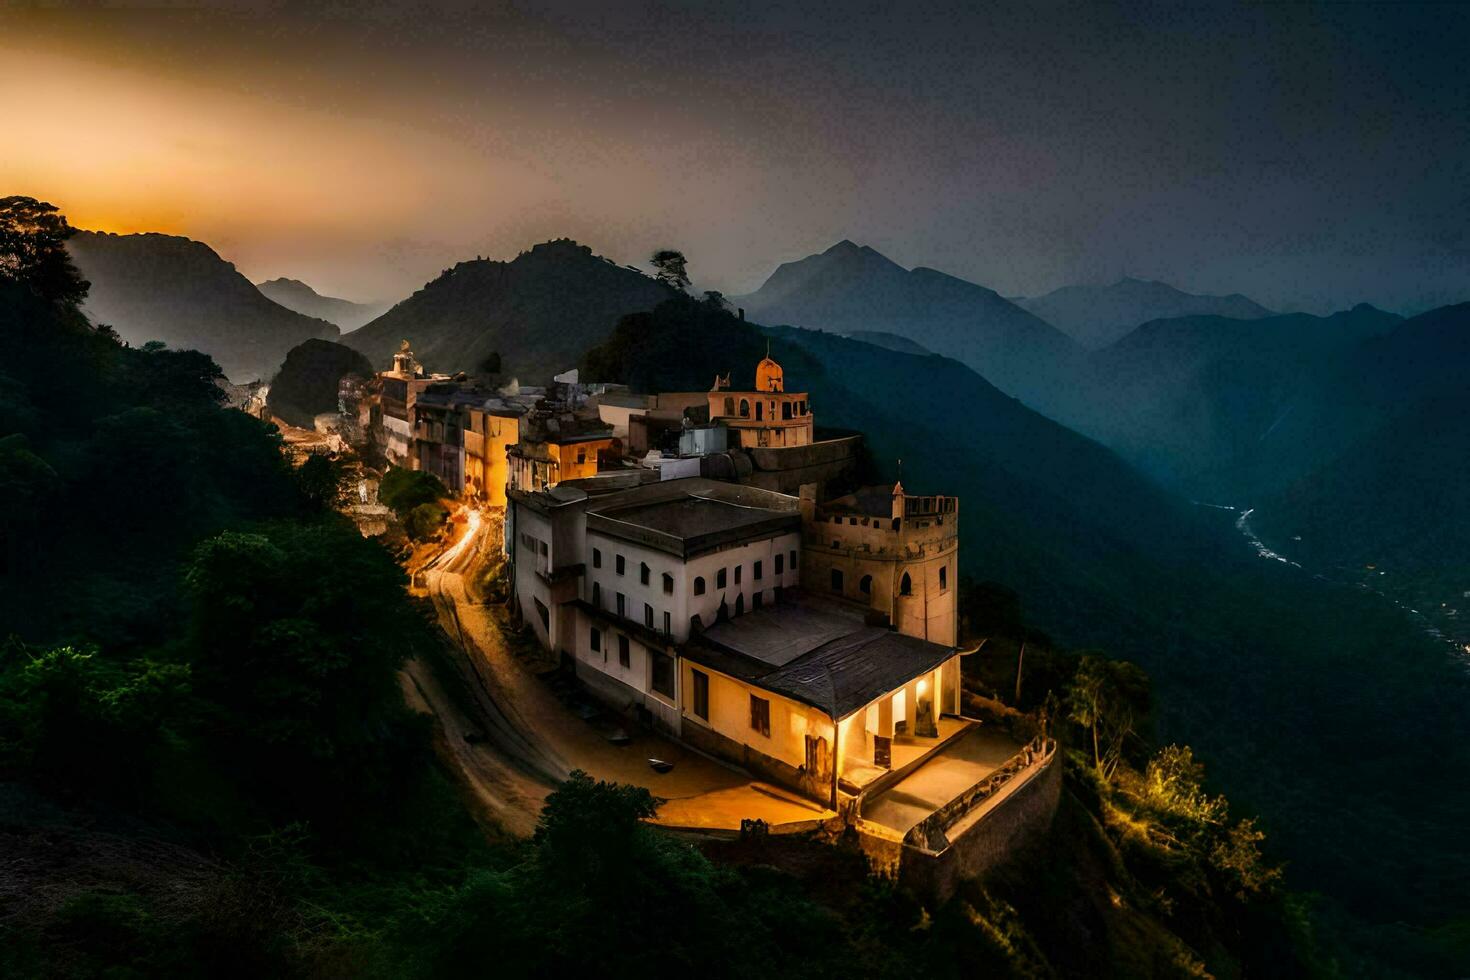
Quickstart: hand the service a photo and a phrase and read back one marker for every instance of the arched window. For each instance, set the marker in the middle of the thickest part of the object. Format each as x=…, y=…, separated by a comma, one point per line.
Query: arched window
x=744, y=409
x=759, y=411
x=729, y=406
x=699, y=585
x=866, y=585
x=785, y=410
x=906, y=585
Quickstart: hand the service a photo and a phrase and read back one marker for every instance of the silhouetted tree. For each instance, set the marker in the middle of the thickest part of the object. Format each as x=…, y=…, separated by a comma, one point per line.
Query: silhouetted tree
x=33, y=238
x=491, y=365
x=672, y=268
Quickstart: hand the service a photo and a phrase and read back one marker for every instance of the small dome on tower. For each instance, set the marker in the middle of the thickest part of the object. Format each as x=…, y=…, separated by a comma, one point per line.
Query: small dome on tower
x=768, y=374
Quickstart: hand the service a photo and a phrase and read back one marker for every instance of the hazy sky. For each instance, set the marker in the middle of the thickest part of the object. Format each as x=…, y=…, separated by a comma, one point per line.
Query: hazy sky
x=1309, y=155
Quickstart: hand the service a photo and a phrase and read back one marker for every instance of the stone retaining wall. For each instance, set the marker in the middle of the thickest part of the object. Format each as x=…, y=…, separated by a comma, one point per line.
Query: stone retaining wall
x=1023, y=815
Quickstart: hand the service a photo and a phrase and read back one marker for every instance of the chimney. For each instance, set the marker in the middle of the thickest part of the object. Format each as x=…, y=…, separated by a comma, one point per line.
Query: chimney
x=742, y=314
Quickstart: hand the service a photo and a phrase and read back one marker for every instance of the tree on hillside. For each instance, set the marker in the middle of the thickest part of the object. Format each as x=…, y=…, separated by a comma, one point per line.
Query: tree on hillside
x=672, y=268
x=1109, y=700
x=33, y=253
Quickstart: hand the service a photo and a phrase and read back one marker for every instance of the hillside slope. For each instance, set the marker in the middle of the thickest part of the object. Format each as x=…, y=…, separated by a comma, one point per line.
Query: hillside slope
x=179, y=291
x=296, y=295
x=850, y=288
x=1194, y=401
x=1096, y=316
x=539, y=311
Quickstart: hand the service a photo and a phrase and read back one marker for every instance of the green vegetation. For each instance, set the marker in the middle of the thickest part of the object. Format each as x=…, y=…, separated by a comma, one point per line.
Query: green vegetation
x=415, y=496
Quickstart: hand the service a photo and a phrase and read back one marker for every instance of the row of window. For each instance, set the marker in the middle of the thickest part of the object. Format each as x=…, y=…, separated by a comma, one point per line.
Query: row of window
x=660, y=664
x=622, y=608
x=760, y=708
x=645, y=574
x=789, y=409
x=905, y=584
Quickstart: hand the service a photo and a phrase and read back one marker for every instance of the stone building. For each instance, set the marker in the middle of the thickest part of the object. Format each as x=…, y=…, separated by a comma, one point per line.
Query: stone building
x=768, y=416
x=891, y=552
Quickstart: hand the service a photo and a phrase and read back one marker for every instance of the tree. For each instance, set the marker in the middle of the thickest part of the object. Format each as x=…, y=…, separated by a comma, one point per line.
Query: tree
x=320, y=479
x=490, y=366
x=1108, y=698
x=33, y=253
x=403, y=490
x=672, y=268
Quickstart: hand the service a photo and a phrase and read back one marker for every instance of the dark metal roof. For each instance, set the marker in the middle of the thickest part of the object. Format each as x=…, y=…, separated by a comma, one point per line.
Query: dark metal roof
x=838, y=676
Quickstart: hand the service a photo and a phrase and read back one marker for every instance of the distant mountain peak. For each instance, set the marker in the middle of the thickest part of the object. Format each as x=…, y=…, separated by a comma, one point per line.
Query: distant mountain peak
x=1097, y=316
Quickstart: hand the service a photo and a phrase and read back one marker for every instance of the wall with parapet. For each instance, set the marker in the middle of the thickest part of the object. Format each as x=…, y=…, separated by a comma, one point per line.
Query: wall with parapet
x=1023, y=816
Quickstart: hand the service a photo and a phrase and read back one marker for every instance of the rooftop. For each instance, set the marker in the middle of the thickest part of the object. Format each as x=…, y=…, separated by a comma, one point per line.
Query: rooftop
x=693, y=516
x=817, y=652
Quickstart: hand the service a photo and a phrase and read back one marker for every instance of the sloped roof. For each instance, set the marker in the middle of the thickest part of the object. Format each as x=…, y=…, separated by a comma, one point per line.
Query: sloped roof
x=815, y=653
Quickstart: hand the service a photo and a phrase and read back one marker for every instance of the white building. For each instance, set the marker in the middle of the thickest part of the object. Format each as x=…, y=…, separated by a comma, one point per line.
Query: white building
x=678, y=602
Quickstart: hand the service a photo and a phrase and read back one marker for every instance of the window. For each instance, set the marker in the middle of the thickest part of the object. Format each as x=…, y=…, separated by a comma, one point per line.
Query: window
x=596, y=558
x=836, y=580
x=905, y=585
x=701, y=693
x=648, y=615
x=668, y=584
x=661, y=672
x=624, y=658
x=699, y=585
x=668, y=623
x=759, y=411
x=760, y=715
x=744, y=409
x=785, y=410
x=729, y=406
x=643, y=573
x=865, y=585
x=756, y=571
x=793, y=560
x=619, y=565
x=780, y=560
x=737, y=573
x=596, y=595
x=581, y=456
x=596, y=639
x=622, y=604
x=720, y=579
x=943, y=577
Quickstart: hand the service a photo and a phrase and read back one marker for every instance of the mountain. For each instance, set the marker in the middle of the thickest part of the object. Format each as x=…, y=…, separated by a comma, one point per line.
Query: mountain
x=850, y=288
x=179, y=291
x=892, y=341
x=296, y=295
x=1075, y=554
x=1096, y=316
x=306, y=384
x=539, y=312
x=1197, y=401
x=1392, y=422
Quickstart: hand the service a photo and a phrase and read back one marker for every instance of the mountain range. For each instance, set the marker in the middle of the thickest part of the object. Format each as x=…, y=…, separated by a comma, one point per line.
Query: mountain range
x=539, y=312
x=1096, y=316
x=175, y=290
x=296, y=295
x=1204, y=403
x=850, y=288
